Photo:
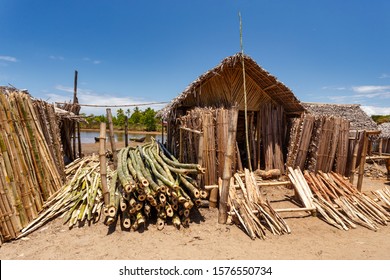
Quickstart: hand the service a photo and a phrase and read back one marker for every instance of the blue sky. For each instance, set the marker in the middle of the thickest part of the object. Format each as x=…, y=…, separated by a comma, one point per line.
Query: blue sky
x=129, y=52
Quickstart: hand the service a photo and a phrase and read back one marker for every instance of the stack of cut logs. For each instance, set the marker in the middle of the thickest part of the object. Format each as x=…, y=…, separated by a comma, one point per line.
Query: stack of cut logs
x=148, y=178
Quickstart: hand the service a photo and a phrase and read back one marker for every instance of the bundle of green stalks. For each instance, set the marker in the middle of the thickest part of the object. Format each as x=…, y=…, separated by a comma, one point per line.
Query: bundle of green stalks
x=150, y=181
x=79, y=201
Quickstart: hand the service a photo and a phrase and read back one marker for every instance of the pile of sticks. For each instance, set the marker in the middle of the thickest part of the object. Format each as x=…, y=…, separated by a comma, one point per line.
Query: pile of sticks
x=29, y=163
x=342, y=205
x=253, y=211
x=384, y=196
x=149, y=180
x=79, y=201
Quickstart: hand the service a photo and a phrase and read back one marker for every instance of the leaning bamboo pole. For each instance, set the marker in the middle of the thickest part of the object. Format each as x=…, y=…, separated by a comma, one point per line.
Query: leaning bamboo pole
x=245, y=98
x=111, y=136
x=102, y=158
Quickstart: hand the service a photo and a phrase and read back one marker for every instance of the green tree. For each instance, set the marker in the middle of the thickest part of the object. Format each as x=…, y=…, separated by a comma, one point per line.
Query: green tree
x=136, y=116
x=120, y=118
x=149, y=119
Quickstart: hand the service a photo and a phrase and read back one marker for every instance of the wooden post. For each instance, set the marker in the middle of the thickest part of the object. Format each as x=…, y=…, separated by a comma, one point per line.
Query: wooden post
x=227, y=169
x=200, y=156
x=162, y=132
x=111, y=136
x=180, y=145
x=354, y=159
x=126, y=131
x=258, y=130
x=79, y=139
x=380, y=146
x=103, y=166
x=362, y=161
x=75, y=101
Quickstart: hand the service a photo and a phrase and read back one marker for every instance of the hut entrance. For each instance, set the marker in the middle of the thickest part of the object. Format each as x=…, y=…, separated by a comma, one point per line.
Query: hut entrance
x=267, y=132
x=255, y=146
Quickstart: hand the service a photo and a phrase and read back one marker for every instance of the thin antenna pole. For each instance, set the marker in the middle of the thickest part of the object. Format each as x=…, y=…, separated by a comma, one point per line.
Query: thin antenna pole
x=245, y=101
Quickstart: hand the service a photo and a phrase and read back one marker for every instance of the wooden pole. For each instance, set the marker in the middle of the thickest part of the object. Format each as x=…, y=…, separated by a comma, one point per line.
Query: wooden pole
x=111, y=136
x=75, y=101
x=354, y=159
x=362, y=161
x=200, y=156
x=103, y=166
x=126, y=131
x=245, y=99
x=162, y=132
x=227, y=169
x=79, y=139
x=180, y=145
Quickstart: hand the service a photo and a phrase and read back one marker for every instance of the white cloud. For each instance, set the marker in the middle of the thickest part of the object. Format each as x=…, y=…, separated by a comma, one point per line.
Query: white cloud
x=333, y=88
x=374, y=110
x=87, y=96
x=384, y=76
x=370, y=89
x=93, y=61
x=8, y=58
x=53, y=57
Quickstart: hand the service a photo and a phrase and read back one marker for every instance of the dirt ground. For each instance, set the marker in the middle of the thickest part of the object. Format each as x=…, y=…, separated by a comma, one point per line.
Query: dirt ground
x=205, y=239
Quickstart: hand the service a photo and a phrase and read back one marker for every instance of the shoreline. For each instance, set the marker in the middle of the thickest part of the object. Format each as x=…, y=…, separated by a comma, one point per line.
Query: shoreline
x=123, y=131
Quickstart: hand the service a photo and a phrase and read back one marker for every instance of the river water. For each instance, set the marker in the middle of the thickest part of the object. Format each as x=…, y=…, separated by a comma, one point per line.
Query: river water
x=89, y=136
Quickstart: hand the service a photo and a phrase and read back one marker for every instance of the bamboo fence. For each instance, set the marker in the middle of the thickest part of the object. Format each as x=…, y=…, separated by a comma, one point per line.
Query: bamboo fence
x=70, y=131
x=30, y=160
x=320, y=144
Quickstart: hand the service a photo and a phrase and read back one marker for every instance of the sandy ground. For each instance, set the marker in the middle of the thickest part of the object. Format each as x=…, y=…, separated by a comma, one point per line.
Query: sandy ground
x=205, y=239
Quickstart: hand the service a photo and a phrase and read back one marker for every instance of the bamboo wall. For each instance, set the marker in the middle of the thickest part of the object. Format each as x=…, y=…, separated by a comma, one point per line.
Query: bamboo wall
x=321, y=143
x=385, y=145
x=30, y=159
x=70, y=132
x=267, y=133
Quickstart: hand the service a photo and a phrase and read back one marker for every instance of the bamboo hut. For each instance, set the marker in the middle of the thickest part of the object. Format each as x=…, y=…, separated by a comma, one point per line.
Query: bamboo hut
x=212, y=109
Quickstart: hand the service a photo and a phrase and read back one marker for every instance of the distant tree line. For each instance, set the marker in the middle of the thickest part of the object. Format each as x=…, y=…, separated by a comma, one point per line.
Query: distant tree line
x=136, y=120
x=381, y=118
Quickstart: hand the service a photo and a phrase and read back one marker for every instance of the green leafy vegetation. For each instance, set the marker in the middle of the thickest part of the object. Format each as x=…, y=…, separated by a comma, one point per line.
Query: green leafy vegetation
x=381, y=118
x=136, y=120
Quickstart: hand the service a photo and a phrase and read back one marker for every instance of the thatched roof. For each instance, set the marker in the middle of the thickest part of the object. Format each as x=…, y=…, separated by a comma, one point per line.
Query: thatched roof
x=358, y=119
x=385, y=130
x=223, y=86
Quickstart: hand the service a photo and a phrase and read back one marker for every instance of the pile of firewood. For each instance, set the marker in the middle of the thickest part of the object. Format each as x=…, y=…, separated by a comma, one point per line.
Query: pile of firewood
x=342, y=205
x=80, y=199
x=252, y=210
